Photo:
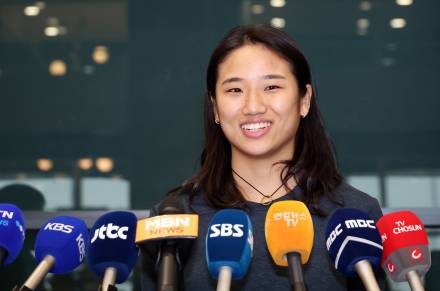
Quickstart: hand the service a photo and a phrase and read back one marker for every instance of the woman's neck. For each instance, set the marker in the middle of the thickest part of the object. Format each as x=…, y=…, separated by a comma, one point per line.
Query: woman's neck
x=263, y=174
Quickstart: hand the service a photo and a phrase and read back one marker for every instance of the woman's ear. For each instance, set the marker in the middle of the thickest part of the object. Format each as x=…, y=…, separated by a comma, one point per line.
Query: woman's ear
x=214, y=107
x=305, y=101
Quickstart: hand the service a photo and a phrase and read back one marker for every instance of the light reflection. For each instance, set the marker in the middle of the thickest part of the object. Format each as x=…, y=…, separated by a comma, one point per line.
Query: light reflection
x=278, y=22
x=100, y=54
x=57, y=68
x=31, y=11
x=404, y=2
x=257, y=9
x=104, y=165
x=398, y=23
x=45, y=165
x=365, y=5
x=277, y=3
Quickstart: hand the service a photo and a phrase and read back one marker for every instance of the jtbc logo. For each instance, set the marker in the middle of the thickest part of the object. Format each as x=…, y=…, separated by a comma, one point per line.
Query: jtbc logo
x=59, y=227
x=226, y=229
x=110, y=231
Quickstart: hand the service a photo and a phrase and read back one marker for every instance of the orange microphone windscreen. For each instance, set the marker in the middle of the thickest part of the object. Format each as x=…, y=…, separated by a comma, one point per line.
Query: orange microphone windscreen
x=289, y=229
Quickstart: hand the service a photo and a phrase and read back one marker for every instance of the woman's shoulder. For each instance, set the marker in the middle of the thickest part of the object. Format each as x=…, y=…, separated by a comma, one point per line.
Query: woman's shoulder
x=189, y=202
x=351, y=197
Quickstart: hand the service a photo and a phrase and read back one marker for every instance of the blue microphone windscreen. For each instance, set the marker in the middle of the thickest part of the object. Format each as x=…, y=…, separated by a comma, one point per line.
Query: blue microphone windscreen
x=229, y=242
x=352, y=236
x=66, y=239
x=112, y=244
x=12, y=231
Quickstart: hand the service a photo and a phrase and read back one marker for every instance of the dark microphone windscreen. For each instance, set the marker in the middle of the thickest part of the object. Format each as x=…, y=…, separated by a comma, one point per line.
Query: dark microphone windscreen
x=12, y=231
x=65, y=238
x=112, y=244
x=229, y=242
x=351, y=237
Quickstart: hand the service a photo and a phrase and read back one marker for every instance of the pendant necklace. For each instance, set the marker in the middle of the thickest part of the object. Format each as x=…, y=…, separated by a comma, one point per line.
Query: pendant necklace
x=265, y=199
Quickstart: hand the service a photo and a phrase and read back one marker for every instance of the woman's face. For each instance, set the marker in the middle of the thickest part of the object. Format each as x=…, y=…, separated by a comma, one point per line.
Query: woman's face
x=258, y=103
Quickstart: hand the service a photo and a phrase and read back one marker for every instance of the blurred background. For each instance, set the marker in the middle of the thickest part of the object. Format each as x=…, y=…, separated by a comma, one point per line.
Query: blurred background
x=100, y=100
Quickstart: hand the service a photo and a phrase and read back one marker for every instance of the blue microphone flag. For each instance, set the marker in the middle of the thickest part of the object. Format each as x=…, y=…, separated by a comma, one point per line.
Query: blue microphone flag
x=229, y=242
x=113, y=244
x=352, y=236
x=65, y=238
x=12, y=231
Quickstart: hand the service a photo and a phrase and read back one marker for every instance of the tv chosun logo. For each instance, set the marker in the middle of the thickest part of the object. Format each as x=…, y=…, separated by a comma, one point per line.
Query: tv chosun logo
x=416, y=254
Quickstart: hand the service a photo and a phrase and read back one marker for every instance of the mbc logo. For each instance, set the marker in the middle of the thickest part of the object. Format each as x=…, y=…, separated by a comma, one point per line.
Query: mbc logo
x=110, y=231
x=226, y=229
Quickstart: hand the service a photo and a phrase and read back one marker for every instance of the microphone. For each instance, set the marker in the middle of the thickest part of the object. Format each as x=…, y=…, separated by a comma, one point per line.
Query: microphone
x=60, y=247
x=354, y=245
x=168, y=236
x=289, y=237
x=112, y=252
x=12, y=233
x=406, y=254
x=229, y=244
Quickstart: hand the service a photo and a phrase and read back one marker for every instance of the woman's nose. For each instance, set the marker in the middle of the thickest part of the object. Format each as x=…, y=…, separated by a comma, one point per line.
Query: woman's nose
x=254, y=104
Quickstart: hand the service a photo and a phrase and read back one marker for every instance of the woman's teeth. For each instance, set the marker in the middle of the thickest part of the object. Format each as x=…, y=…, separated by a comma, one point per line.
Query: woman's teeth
x=255, y=126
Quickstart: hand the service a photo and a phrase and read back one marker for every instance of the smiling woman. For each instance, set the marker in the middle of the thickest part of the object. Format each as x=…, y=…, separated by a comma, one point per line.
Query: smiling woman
x=264, y=141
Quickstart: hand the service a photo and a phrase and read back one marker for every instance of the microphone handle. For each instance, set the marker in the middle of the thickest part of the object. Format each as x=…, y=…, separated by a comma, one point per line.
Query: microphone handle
x=295, y=271
x=414, y=281
x=3, y=255
x=39, y=273
x=224, y=279
x=167, y=277
x=22, y=288
x=109, y=288
x=365, y=271
x=109, y=278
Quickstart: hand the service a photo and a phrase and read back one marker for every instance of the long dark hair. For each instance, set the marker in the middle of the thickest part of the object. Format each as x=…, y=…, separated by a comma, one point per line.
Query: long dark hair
x=313, y=165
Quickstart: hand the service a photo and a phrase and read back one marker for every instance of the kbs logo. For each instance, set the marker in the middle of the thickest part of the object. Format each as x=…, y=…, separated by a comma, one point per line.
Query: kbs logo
x=110, y=231
x=391, y=267
x=226, y=229
x=416, y=254
x=59, y=227
x=6, y=214
x=291, y=218
x=81, y=246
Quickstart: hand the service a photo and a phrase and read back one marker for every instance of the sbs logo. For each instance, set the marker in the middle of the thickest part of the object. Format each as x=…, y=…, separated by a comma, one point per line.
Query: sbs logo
x=226, y=229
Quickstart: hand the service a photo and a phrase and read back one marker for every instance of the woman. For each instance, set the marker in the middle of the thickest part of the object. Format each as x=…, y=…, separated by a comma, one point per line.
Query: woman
x=264, y=142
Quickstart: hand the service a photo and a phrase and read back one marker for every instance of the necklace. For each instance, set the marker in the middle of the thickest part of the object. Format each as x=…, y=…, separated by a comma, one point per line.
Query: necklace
x=266, y=199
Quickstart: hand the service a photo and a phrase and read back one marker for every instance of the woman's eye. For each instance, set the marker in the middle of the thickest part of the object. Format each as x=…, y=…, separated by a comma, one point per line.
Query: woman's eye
x=271, y=87
x=234, y=90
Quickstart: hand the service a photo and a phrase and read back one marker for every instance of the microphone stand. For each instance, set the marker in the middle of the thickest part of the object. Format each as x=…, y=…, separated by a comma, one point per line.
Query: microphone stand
x=168, y=268
x=414, y=281
x=295, y=271
x=3, y=255
x=109, y=288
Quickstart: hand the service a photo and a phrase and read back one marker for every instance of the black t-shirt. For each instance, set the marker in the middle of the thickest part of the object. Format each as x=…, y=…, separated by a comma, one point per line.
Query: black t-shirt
x=263, y=274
